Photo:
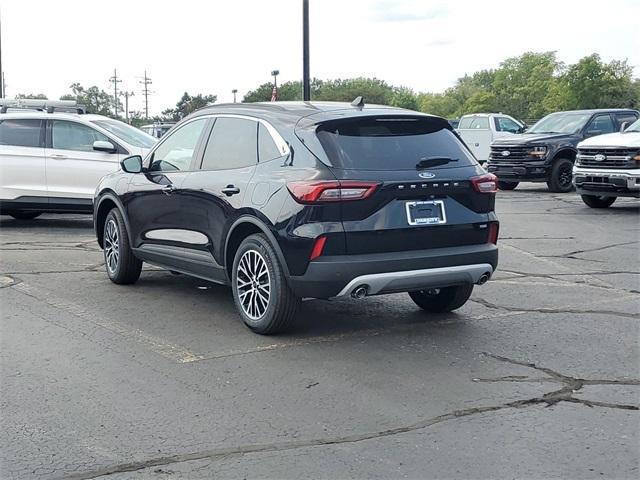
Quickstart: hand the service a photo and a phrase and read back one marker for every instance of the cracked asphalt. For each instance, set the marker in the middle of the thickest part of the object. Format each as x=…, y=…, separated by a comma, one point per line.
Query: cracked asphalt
x=537, y=377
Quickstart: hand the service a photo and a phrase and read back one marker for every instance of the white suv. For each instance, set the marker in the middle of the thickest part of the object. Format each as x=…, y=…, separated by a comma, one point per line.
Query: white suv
x=52, y=162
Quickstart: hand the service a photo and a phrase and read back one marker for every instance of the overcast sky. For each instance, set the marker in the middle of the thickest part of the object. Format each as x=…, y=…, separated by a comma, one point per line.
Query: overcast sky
x=213, y=46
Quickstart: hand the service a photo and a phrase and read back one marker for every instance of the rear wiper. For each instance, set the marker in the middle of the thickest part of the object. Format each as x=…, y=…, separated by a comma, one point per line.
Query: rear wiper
x=434, y=161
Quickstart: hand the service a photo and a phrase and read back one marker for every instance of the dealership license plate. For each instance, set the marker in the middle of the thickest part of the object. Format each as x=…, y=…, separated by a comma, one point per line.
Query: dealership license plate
x=426, y=213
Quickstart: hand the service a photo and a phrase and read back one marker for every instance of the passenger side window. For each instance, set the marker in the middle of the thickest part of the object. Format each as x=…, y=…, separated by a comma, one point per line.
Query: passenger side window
x=177, y=151
x=74, y=136
x=267, y=149
x=465, y=122
x=22, y=133
x=479, y=123
x=601, y=124
x=626, y=117
x=504, y=124
x=232, y=144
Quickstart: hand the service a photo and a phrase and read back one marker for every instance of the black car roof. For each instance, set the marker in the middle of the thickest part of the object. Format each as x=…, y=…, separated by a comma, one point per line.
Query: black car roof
x=600, y=110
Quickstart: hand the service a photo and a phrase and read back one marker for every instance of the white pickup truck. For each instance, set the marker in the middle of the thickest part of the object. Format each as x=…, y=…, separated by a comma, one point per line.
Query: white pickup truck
x=608, y=166
x=478, y=130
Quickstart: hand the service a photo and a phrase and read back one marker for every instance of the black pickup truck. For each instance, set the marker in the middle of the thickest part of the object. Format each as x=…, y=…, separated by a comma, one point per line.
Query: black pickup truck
x=546, y=151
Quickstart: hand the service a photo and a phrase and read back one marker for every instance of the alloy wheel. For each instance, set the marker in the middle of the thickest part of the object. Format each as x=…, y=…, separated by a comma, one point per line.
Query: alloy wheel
x=565, y=176
x=253, y=283
x=111, y=246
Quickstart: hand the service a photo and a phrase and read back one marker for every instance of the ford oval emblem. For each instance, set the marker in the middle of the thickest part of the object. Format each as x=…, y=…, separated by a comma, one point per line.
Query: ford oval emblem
x=426, y=175
x=600, y=157
x=506, y=153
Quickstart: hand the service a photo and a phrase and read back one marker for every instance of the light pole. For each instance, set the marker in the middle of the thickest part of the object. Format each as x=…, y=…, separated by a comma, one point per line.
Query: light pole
x=126, y=96
x=306, y=82
x=274, y=93
x=234, y=91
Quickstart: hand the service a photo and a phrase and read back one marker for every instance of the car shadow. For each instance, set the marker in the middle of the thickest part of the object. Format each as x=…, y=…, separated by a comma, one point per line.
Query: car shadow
x=66, y=222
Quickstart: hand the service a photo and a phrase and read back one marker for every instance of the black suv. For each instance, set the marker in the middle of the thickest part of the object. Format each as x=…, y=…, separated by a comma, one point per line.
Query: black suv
x=284, y=201
x=546, y=151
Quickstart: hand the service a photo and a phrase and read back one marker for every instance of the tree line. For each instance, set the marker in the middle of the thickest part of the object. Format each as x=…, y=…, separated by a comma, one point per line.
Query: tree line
x=527, y=87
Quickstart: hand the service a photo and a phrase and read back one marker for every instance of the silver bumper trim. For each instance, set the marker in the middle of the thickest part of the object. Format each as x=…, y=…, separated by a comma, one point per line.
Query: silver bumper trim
x=631, y=176
x=411, y=280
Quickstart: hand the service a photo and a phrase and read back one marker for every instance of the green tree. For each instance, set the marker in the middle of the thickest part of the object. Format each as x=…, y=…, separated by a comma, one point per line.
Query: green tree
x=94, y=99
x=31, y=96
x=188, y=104
x=404, y=97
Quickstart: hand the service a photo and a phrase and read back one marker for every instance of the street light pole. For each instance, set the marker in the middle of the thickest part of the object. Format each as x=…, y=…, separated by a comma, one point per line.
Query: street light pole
x=234, y=91
x=306, y=82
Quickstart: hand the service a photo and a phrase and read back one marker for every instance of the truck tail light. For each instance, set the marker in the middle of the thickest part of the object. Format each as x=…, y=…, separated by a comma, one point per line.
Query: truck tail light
x=487, y=183
x=331, y=191
x=318, y=247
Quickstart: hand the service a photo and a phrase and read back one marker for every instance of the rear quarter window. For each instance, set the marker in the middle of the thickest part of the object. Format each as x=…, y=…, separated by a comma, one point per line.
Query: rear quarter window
x=22, y=132
x=386, y=143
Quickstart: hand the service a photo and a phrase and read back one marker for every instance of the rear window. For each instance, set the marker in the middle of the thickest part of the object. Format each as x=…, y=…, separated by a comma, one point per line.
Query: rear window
x=389, y=143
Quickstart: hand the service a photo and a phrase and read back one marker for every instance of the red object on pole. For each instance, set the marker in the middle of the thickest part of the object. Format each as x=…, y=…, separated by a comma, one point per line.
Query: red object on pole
x=274, y=94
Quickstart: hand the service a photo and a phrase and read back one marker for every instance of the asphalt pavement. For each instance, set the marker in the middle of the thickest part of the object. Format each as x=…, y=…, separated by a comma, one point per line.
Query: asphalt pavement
x=538, y=376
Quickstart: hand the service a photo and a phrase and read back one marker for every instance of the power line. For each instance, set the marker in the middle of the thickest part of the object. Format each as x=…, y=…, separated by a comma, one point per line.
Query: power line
x=115, y=82
x=145, y=91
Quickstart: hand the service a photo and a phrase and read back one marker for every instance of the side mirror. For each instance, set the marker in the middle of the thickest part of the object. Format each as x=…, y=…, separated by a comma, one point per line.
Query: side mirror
x=132, y=164
x=104, y=146
x=624, y=126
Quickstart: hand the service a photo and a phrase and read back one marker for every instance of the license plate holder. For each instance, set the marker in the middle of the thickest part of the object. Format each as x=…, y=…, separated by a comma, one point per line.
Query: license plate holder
x=429, y=212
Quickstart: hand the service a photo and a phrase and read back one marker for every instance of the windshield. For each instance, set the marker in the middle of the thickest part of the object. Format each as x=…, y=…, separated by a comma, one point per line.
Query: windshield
x=561, y=123
x=634, y=127
x=129, y=134
x=391, y=143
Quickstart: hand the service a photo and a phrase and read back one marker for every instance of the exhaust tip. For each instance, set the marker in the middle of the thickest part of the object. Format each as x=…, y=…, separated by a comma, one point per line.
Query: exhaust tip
x=484, y=278
x=360, y=292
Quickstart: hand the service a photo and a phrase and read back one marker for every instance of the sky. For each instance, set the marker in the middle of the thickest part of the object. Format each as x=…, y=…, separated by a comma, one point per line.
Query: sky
x=214, y=46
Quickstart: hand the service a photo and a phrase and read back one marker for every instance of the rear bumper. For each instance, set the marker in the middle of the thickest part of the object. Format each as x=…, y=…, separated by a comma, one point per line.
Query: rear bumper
x=334, y=276
x=532, y=171
x=601, y=182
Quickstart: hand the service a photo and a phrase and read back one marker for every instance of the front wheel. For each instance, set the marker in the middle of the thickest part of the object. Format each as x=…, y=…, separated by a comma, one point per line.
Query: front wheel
x=440, y=300
x=504, y=185
x=561, y=176
x=25, y=215
x=598, y=202
x=122, y=266
x=260, y=291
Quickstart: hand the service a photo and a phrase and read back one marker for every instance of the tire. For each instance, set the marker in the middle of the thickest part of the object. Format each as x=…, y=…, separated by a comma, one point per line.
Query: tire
x=504, y=185
x=260, y=291
x=441, y=300
x=122, y=266
x=561, y=176
x=25, y=215
x=598, y=202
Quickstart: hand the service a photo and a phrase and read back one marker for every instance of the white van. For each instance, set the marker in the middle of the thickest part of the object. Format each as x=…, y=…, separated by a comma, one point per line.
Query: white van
x=478, y=130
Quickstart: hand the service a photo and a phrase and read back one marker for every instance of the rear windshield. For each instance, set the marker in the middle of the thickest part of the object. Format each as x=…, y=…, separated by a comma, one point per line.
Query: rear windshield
x=390, y=143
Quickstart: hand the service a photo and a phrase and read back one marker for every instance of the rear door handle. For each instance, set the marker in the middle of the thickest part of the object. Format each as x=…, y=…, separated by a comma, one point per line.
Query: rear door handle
x=59, y=156
x=230, y=190
x=168, y=189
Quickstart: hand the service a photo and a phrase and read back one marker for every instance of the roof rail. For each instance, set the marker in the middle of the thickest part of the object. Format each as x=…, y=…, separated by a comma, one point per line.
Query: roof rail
x=49, y=106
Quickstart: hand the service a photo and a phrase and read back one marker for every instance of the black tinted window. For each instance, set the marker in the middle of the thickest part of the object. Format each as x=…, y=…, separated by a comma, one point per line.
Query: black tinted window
x=21, y=133
x=626, y=117
x=601, y=124
x=390, y=143
x=267, y=149
x=232, y=144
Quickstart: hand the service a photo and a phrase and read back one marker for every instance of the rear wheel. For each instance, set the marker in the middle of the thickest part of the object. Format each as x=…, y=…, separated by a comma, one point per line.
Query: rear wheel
x=25, y=215
x=122, y=266
x=439, y=300
x=260, y=291
x=504, y=185
x=598, y=202
x=561, y=176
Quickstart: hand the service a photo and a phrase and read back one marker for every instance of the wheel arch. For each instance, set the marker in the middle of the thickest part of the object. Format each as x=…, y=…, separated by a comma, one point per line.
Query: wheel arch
x=565, y=152
x=102, y=207
x=243, y=227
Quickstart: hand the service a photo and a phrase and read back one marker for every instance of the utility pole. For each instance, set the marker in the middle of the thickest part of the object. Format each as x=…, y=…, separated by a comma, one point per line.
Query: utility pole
x=115, y=82
x=146, y=82
x=306, y=83
x=126, y=96
x=234, y=91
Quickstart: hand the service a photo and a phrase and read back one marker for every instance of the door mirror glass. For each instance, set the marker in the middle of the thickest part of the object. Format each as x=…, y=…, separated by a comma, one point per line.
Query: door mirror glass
x=104, y=146
x=132, y=164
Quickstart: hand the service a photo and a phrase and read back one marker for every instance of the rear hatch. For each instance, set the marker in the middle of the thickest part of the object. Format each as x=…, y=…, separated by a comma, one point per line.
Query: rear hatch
x=424, y=198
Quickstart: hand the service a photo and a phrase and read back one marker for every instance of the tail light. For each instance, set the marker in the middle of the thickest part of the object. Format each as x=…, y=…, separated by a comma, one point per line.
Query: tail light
x=318, y=247
x=487, y=183
x=494, y=229
x=331, y=191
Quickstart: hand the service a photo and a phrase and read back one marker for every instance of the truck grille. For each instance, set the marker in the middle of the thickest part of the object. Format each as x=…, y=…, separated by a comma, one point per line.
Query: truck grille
x=515, y=153
x=602, y=157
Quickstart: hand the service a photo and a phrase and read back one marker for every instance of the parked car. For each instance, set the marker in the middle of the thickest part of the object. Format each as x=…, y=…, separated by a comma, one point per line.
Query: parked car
x=305, y=200
x=608, y=167
x=546, y=151
x=52, y=162
x=157, y=129
x=478, y=130
x=454, y=122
